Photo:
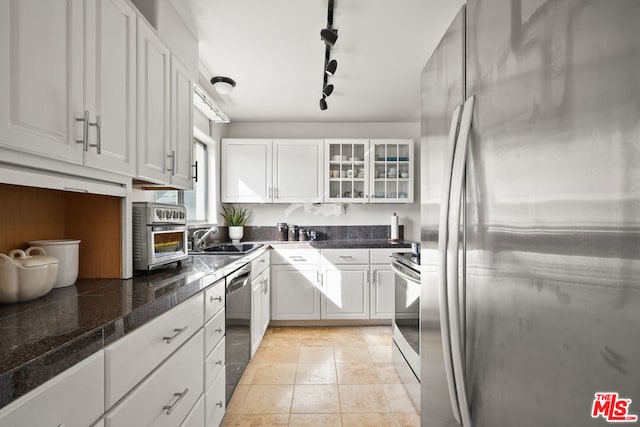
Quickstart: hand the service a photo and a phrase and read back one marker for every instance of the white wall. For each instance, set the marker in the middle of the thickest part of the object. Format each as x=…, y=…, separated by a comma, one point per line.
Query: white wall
x=356, y=214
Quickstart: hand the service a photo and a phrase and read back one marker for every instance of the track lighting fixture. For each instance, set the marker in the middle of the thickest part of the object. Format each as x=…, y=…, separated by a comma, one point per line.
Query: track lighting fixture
x=223, y=85
x=331, y=67
x=329, y=35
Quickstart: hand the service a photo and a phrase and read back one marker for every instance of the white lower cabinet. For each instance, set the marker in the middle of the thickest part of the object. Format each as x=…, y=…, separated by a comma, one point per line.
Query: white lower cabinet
x=266, y=302
x=260, y=308
x=196, y=416
x=214, y=331
x=382, y=291
x=345, y=292
x=74, y=398
x=215, y=401
x=166, y=396
x=294, y=292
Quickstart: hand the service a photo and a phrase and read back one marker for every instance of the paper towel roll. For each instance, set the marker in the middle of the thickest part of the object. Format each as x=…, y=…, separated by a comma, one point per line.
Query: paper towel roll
x=394, y=227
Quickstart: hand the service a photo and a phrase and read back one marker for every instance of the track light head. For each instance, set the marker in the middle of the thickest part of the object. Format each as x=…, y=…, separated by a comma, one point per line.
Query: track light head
x=329, y=36
x=223, y=85
x=328, y=90
x=331, y=67
x=323, y=104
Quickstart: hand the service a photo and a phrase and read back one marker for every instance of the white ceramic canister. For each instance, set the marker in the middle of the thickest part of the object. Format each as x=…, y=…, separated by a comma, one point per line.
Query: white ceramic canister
x=66, y=251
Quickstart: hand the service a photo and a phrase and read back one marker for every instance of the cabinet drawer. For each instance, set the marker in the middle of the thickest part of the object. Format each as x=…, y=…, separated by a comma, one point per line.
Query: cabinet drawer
x=213, y=364
x=295, y=256
x=130, y=359
x=74, y=398
x=259, y=264
x=345, y=256
x=213, y=332
x=166, y=396
x=215, y=402
x=383, y=256
x=196, y=416
x=214, y=299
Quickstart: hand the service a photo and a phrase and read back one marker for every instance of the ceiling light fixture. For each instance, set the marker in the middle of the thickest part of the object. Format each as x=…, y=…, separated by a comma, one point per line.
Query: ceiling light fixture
x=329, y=36
x=331, y=67
x=223, y=85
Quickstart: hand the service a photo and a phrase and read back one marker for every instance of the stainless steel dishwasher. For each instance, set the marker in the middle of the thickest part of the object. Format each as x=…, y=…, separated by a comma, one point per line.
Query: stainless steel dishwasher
x=238, y=322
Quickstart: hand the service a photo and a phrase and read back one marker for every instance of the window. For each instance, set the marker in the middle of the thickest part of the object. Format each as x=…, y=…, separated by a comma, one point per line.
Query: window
x=196, y=200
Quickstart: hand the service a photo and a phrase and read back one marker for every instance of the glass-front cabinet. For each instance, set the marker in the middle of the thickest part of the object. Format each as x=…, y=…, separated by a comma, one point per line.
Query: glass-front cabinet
x=347, y=170
x=392, y=174
x=369, y=171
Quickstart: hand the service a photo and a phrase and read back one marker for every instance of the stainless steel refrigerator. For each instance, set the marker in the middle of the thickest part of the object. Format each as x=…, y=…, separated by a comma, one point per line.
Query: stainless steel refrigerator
x=530, y=215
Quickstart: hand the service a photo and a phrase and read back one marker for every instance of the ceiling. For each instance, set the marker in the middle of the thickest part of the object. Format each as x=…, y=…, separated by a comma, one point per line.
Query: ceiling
x=273, y=50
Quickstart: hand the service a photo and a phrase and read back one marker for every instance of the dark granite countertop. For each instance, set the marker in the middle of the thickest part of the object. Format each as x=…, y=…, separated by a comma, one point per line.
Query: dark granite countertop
x=42, y=338
x=358, y=244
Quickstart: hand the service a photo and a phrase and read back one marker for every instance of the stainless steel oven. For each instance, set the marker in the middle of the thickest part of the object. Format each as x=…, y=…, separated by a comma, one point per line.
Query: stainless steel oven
x=406, y=322
x=159, y=234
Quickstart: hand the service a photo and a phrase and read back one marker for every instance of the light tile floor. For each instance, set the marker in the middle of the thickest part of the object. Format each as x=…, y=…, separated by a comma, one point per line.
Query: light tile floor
x=322, y=376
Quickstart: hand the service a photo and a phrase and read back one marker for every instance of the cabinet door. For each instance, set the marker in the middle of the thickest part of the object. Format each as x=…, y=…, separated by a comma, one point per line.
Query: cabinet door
x=297, y=171
x=346, y=170
x=256, y=313
x=110, y=76
x=266, y=301
x=181, y=125
x=345, y=292
x=392, y=174
x=382, y=292
x=294, y=293
x=153, y=106
x=246, y=171
x=41, y=77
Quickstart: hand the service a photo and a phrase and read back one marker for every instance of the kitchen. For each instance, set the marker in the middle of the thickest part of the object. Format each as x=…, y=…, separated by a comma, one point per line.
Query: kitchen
x=536, y=313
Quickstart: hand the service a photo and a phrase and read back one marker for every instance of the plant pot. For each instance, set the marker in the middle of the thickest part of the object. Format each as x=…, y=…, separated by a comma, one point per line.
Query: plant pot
x=236, y=233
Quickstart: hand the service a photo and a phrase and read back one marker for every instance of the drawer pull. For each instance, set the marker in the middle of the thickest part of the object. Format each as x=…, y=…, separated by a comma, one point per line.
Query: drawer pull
x=298, y=258
x=219, y=404
x=220, y=362
x=262, y=261
x=176, y=332
x=169, y=408
x=219, y=330
x=212, y=299
x=345, y=257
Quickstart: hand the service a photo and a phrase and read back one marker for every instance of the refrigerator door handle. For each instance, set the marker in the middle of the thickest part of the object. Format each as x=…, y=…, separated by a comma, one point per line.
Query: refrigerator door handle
x=442, y=258
x=453, y=237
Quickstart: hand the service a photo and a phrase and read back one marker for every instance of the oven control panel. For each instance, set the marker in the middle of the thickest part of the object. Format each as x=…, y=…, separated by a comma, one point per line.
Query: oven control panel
x=169, y=215
x=151, y=213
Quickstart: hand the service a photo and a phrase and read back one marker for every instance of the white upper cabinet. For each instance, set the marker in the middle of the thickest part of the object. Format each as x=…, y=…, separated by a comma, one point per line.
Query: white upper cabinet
x=41, y=77
x=246, y=171
x=181, y=125
x=154, y=142
x=347, y=170
x=297, y=171
x=392, y=175
x=111, y=85
x=272, y=171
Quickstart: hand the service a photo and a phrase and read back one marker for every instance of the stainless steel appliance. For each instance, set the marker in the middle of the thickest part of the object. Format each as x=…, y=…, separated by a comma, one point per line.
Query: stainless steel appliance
x=159, y=234
x=237, y=326
x=406, y=322
x=530, y=214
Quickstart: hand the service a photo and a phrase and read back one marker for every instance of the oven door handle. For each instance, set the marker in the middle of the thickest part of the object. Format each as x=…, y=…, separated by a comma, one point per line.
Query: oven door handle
x=404, y=275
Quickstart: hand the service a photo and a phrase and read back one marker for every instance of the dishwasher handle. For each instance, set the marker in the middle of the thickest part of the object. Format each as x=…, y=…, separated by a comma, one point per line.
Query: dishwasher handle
x=239, y=279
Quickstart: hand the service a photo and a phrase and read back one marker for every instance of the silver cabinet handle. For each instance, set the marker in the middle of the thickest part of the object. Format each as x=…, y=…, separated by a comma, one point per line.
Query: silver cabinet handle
x=297, y=258
x=442, y=258
x=219, y=362
x=172, y=156
x=457, y=184
x=98, y=127
x=169, y=408
x=219, y=330
x=270, y=192
x=369, y=277
x=345, y=257
x=275, y=193
x=219, y=404
x=195, y=171
x=176, y=332
x=212, y=299
x=85, y=130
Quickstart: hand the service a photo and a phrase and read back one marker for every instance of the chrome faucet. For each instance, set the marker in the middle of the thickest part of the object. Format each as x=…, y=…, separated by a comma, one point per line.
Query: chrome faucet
x=199, y=236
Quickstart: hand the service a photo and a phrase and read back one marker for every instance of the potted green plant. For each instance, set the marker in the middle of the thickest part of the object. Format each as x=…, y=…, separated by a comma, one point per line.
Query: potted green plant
x=235, y=218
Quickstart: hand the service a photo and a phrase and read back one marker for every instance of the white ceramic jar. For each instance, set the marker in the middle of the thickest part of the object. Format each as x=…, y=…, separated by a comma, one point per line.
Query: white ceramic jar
x=67, y=251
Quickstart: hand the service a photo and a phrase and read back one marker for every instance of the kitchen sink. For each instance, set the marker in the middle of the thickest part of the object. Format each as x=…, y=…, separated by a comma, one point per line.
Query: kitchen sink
x=230, y=249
